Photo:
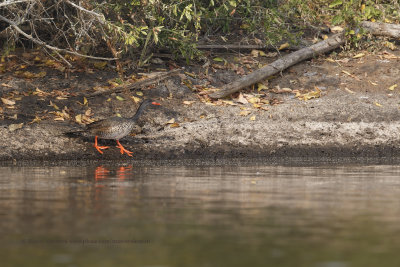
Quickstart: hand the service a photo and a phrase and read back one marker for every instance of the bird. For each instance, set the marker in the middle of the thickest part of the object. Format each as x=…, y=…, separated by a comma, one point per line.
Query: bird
x=115, y=128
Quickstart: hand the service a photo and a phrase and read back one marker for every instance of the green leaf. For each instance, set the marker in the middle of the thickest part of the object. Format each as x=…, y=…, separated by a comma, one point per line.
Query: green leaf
x=188, y=16
x=155, y=37
x=336, y=3
x=218, y=59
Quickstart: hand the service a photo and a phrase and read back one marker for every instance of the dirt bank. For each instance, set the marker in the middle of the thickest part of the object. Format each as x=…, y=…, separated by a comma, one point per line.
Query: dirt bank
x=355, y=114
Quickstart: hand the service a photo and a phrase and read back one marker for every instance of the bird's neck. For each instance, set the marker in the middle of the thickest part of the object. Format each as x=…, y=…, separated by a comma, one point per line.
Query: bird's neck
x=139, y=112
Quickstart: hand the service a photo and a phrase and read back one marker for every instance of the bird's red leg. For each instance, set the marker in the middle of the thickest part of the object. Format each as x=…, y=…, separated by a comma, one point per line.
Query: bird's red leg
x=123, y=150
x=99, y=148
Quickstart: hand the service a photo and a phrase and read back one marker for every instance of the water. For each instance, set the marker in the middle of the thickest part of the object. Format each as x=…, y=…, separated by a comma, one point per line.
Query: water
x=323, y=216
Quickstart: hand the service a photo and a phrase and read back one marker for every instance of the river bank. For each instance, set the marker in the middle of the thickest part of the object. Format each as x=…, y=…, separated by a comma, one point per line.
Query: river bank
x=355, y=114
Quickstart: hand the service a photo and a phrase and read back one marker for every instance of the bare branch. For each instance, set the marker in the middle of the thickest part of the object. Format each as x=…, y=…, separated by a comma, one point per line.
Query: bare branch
x=140, y=84
x=41, y=43
x=100, y=16
x=10, y=2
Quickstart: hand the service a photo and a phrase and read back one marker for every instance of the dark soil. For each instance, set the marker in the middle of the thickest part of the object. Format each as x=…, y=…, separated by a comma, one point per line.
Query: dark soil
x=356, y=115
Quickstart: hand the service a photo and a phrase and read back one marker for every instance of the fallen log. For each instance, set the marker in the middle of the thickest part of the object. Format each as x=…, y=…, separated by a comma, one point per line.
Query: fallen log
x=136, y=85
x=383, y=29
x=375, y=28
x=279, y=65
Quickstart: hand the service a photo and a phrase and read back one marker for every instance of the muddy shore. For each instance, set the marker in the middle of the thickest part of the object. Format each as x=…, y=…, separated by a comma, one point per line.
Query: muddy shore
x=355, y=116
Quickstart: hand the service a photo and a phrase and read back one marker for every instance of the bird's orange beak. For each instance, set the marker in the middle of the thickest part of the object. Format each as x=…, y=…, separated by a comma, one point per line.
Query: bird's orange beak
x=156, y=103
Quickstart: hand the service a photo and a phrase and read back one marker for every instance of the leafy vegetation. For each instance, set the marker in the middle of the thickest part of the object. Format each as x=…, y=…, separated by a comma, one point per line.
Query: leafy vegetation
x=136, y=28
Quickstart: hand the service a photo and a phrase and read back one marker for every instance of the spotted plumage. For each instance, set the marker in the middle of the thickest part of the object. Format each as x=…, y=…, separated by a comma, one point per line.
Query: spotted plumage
x=116, y=127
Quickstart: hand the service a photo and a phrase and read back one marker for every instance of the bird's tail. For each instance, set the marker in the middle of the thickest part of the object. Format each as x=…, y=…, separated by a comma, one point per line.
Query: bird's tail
x=76, y=133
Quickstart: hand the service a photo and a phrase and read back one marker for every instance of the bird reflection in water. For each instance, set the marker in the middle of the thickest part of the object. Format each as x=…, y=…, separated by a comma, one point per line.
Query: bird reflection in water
x=121, y=173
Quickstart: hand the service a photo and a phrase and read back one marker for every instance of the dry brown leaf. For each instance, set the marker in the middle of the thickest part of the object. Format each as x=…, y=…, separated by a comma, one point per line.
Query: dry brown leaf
x=30, y=75
x=194, y=76
x=240, y=71
x=229, y=102
x=388, y=55
x=244, y=113
x=175, y=125
x=78, y=118
x=253, y=118
x=6, y=85
x=351, y=75
x=186, y=102
x=37, y=119
x=100, y=64
x=39, y=92
x=359, y=55
x=13, y=127
x=283, y=46
x=282, y=90
x=86, y=119
x=336, y=29
x=372, y=83
x=8, y=101
x=309, y=95
x=241, y=99
x=88, y=112
x=113, y=84
x=53, y=105
x=262, y=86
x=135, y=99
x=254, y=53
x=348, y=90
x=391, y=88
x=390, y=45
x=50, y=62
x=171, y=121
x=254, y=100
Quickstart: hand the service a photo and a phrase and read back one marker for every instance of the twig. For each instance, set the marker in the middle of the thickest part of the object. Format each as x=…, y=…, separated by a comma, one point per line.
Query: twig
x=138, y=84
x=101, y=17
x=7, y=3
x=242, y=47
x=63, y=59
x=41, y=43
